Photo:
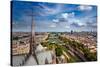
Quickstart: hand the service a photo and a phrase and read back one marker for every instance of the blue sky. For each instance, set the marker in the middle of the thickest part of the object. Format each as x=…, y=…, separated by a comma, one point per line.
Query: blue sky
x=53, y=17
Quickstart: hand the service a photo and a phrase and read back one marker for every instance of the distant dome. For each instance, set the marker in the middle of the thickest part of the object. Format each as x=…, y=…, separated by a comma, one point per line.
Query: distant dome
x=39, y=48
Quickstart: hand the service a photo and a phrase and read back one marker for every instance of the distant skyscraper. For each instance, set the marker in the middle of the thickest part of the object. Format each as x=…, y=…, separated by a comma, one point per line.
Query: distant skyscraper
x=71, y=32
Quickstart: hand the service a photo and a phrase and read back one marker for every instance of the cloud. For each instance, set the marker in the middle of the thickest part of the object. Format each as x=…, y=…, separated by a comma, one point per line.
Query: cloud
x=85, y=7
x=79, y=22
x=65, y=15
x=20, y=26
x=64, y=18
x=45, y=25
x=67, y=26
x=46, y=10
x=68, y=15
x=83, y=24
x=55, y=20
x=90, y=22
x=91, y=25
x=75, y=25
x=52, y=25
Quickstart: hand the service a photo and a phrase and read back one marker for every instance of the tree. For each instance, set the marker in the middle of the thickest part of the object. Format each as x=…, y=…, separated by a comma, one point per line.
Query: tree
x=58, y=51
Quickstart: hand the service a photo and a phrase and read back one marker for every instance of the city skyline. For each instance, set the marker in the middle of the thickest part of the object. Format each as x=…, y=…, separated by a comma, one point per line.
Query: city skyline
x=53, y=17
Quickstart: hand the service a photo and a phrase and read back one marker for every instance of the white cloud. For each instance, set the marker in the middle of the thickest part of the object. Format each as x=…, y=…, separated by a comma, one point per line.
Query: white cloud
x=68, y=15
x=71, y=14
x=65, y=15
x=55, y=20
x=52, y=25
x=80, y=22
x=84, y=7
x=50, y=11
x=67, y=26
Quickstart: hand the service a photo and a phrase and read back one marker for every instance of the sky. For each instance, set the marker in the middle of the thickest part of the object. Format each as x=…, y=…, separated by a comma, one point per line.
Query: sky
x=53, y=17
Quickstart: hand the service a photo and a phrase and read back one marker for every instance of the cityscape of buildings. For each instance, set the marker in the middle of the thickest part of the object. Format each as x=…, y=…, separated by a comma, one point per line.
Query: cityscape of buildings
x=48, y=42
